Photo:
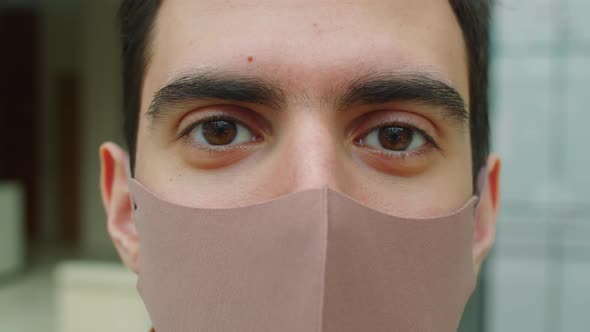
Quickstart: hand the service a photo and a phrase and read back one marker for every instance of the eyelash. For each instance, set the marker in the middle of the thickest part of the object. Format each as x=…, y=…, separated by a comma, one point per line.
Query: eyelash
x=384, y=153
x=403, y=155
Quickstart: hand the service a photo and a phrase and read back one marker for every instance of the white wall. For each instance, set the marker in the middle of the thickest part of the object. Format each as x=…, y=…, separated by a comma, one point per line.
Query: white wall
x=96, y=297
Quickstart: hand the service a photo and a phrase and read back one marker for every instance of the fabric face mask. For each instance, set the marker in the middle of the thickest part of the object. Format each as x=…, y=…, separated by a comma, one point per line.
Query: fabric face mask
x=312, y=261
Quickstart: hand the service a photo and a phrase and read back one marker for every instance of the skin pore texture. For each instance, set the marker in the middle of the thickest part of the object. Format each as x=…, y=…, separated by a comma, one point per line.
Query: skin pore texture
x=310, y=57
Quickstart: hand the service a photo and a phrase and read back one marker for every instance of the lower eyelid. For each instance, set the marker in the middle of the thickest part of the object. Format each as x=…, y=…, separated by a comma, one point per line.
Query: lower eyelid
x=243, y=147
x=396, y=163
x=206, y=158
x=397, y=154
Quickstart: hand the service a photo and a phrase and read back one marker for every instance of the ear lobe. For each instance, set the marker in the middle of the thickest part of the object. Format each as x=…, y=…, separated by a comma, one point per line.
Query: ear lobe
x=487, y=213
x=117, y=204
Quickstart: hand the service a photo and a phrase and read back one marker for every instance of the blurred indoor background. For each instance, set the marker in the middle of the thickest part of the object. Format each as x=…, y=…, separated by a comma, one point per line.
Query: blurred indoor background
x=60, y=97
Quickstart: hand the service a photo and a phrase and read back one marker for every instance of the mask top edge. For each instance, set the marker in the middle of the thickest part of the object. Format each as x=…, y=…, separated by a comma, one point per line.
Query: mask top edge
x=137, y=189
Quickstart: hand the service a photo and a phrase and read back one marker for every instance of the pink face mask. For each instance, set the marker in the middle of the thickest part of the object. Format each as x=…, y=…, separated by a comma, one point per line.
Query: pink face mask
x=312, y=261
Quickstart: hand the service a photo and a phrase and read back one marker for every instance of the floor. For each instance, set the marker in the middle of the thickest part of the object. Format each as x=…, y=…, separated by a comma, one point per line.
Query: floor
x=27, y=300
x=104, y=299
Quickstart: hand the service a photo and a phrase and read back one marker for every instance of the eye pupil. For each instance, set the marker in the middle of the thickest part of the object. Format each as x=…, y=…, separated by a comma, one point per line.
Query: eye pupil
x=219, y=132
x=395, y=138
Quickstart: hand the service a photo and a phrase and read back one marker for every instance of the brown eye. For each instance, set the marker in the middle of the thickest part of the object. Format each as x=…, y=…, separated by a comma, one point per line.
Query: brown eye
x=394, y=138
x=221, y=132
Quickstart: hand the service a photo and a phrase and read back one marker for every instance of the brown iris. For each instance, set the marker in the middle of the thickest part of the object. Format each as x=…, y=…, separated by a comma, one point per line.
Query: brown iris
x=395, y=138
x=219, y=132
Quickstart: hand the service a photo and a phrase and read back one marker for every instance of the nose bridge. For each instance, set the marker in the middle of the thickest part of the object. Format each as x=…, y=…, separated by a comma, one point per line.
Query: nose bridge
x=311, y=151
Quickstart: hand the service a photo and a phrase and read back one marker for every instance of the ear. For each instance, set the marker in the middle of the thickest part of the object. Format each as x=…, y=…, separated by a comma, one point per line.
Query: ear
x=487, y=213
x=116, y=200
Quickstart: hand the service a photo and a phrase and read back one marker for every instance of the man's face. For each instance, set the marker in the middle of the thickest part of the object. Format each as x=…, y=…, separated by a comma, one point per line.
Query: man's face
x=244, y=101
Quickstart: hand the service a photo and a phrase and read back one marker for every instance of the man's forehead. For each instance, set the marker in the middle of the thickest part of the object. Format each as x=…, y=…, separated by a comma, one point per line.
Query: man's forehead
x=229, y=5
x=301, y=42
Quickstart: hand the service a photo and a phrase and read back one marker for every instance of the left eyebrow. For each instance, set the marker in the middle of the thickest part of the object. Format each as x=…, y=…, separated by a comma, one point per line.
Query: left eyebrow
x=374, y=89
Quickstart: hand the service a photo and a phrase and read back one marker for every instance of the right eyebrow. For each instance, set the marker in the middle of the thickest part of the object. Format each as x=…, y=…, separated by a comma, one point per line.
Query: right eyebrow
x=216, y=85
